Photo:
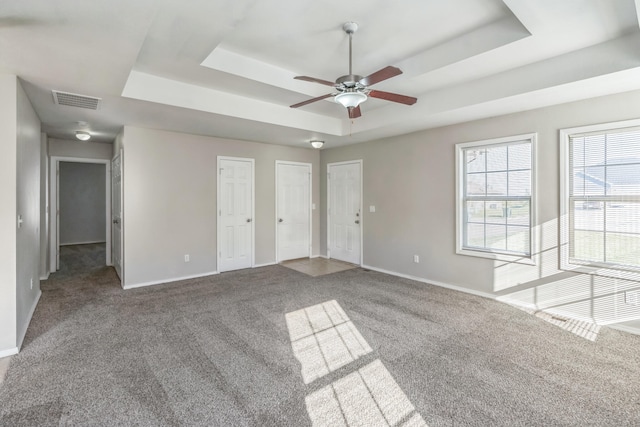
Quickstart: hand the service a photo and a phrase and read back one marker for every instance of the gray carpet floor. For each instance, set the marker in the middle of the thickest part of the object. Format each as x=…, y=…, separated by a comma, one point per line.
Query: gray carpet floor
x=274, y=347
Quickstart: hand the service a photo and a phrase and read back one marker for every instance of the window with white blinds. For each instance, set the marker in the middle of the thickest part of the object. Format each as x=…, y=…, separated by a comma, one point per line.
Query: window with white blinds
x=602, y=198
x=495, y=204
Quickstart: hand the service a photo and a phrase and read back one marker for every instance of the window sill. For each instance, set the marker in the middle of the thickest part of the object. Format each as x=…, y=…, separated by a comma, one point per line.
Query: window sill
x=632, y=275
x=518, y=259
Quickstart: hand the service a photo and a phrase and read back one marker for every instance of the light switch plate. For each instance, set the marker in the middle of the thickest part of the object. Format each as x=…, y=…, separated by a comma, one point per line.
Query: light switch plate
x=372, y=208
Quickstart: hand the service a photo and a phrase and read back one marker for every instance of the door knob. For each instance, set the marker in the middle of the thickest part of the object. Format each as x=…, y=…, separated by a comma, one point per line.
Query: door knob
x=248, y=219
x=280, y=219
x=357, y=221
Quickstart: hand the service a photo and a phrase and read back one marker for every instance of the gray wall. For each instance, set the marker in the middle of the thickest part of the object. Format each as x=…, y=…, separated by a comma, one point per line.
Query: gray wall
x=84, y=150
x=82, y=203
x=8, y=168
x=28, y=195
x=20, y=195
x=411, y=181
x=170, y=186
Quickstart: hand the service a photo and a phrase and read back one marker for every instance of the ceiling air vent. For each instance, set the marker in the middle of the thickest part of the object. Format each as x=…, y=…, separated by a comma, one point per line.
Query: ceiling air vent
x=75, y=100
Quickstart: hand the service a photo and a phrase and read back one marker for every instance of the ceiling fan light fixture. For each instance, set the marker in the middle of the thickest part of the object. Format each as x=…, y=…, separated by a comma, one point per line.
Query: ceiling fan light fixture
x=350, y=99
x=83, y=135
x=317, y=144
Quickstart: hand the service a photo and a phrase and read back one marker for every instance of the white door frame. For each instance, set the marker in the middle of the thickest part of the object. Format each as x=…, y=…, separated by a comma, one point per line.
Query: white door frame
x=348, y=162
x=253, y=209
x=120, y=156
x=54, y=228
x=284, y=162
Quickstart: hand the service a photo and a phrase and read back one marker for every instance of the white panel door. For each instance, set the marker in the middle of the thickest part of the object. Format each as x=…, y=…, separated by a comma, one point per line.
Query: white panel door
x=116, y=213
x=293, y=210
x=345, y=211
x=235, y=213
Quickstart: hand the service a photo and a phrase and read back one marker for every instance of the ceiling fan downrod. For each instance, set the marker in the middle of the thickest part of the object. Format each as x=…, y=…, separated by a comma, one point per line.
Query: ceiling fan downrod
x=350, y=28
x=350, y=79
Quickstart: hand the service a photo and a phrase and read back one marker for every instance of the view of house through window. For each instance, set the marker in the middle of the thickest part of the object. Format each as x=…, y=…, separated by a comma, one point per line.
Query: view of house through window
x=604, y=198
x=495, y=196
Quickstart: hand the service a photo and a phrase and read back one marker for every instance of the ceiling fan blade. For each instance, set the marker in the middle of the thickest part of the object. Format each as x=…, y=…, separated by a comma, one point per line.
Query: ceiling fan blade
x=394, y=97
x=309, y=101
x=354, y=112
x=314, y=80
x=380, y=75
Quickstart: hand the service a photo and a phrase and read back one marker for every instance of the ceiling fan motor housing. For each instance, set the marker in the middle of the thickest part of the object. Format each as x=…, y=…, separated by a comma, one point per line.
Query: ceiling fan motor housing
x=349, y=81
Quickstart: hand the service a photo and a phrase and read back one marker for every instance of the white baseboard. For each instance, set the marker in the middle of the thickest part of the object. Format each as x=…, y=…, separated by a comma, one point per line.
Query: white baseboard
x=23, y=332
x=45, y=277
x=8, y=352
x=624, y=328
x=320, y=256
x=432, y=282
x=163, y=281
x=266, y=264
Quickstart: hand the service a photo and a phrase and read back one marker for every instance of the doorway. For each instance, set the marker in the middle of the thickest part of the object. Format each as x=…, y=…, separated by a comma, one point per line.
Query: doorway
x=293, y=210
x=73, y=209
x=235, y=213
x=344, y=211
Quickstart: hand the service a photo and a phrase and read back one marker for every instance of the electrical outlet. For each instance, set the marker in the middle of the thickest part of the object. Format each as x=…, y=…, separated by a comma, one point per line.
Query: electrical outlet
x=632, y=297
x=186, y=258
x=416, y=259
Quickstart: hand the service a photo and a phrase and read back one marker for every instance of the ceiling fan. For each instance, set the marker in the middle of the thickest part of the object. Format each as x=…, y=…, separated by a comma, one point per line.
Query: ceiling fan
x=352, y=90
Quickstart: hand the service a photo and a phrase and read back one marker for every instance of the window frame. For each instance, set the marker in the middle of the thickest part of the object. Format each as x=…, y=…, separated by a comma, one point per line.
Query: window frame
x=608, y=270
x=497, y=255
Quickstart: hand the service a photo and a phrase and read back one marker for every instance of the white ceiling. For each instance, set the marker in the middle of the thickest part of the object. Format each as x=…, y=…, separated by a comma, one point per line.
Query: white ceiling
x=225, y=67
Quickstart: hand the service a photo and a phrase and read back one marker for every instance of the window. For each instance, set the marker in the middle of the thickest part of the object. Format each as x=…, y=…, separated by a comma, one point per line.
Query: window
x=495, y=204
x=601, y=198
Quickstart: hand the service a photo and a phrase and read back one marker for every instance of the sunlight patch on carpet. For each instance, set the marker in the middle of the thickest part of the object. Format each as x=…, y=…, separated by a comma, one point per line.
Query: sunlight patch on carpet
x=581, y=328
x=324, y=339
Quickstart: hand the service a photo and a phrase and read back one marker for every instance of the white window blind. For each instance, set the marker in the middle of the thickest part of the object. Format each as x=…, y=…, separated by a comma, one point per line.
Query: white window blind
x=496, y=196
x=604, y=199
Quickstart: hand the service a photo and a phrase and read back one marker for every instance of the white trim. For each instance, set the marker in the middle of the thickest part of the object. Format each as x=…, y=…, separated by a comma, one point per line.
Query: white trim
x=8, y=352
x=253, y=207
x=23, y=333
x=320, y=256
x=119, y=155
x=45, y=277
x=632, y=274
x=347, y=162
x=266, y=264
x=53, y=216
x=163, y=281
x=83, y=243
x=460, y=191
x=310, y=165
x=624, y=328
x=432, y=282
